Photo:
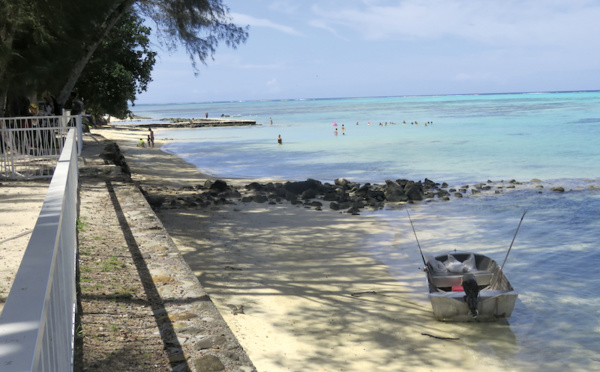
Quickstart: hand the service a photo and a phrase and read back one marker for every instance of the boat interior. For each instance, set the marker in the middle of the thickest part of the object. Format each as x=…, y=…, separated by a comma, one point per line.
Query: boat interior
x=484, y=271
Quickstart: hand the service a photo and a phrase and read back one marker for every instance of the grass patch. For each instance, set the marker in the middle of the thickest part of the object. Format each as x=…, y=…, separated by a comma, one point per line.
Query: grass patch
x=80, y=332
x=81, y=224
x=112, y=264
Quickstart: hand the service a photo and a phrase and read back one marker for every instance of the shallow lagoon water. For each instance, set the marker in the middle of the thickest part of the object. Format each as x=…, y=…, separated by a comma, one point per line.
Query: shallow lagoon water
x=552, y=136
x=553, y=266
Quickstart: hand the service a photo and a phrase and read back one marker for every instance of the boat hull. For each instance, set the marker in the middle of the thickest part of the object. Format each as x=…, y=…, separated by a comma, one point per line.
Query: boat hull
x=490, y=307
x=496, y=298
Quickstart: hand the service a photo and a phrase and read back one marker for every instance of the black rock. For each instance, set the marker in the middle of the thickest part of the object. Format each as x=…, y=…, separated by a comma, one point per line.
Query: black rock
x=354, y=211
x=415, y=192
x=260, y=199
x=155, y=201
x=394, y=192
x=254, y=186
x=331, y=196
x=218, y=186
x=309, y=194
x=301, y=186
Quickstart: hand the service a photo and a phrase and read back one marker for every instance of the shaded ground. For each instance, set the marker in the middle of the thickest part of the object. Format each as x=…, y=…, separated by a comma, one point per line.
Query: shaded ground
x=141, y=308
x=118, y=330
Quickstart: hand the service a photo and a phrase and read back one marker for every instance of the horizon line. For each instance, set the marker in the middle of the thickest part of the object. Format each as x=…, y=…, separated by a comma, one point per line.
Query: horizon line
x=365, y=97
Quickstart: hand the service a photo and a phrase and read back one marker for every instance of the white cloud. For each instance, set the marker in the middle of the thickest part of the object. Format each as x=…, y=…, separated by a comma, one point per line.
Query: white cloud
x=323, y=24
x=242, y=19
x=507, y=22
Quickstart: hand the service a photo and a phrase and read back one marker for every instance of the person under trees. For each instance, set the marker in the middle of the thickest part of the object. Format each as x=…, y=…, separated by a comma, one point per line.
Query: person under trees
x=46, y=45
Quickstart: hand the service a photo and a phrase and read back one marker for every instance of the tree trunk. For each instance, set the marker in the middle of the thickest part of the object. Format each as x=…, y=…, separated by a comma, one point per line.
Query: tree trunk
x=118, y=10
x=6, y=38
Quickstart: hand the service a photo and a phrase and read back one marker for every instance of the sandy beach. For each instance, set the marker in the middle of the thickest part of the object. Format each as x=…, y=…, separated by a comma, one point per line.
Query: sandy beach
x=20, y=205
x=297, y=286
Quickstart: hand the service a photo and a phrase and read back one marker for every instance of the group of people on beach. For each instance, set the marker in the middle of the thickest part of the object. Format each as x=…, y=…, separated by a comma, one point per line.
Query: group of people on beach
x=150, y=139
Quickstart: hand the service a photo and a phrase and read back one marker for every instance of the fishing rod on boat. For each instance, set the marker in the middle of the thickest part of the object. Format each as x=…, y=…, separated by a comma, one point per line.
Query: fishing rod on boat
x=415, y=232
x=496, y=278
x=513, y=240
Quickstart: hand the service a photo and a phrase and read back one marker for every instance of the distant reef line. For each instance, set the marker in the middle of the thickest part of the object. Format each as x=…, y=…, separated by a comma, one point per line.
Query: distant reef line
x=188, y=122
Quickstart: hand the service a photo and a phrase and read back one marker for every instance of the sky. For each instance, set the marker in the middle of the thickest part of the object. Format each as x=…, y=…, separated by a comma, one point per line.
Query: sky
x=363, y=48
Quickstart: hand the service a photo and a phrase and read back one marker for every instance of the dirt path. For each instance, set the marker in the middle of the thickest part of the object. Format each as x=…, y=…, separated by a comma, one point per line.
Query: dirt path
x=141, y=309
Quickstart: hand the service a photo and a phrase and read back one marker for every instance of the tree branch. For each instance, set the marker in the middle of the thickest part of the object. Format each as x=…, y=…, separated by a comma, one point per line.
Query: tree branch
x=118, y=10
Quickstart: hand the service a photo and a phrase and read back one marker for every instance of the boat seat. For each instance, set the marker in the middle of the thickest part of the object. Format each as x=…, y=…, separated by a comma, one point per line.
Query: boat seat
x=483, y=278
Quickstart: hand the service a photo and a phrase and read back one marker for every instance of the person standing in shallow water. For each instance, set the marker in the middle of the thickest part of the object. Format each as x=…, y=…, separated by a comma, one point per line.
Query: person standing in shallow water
x=279, y=140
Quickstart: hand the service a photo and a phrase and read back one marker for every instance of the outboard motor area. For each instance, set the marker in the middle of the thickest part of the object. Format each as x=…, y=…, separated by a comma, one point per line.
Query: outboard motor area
x=471, y=293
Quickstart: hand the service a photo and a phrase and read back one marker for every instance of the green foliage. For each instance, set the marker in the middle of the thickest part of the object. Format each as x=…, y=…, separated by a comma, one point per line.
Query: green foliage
x=46, y=46
x=112, y=264
x=80, y=225
x=120, y=69
x=41, y=40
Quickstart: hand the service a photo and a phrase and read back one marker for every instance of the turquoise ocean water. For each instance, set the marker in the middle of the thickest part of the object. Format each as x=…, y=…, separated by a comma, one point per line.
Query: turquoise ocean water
x=554, y=137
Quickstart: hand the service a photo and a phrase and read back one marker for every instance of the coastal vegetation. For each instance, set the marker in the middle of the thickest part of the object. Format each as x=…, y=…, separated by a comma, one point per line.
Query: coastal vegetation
x=99, y=49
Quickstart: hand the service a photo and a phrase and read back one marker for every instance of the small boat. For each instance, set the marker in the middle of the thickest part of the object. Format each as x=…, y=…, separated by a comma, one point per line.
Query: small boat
x=467, y=287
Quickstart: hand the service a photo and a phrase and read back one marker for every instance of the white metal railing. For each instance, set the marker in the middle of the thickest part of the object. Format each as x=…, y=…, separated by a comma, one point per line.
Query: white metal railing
x=38, y=319
x=31, y=145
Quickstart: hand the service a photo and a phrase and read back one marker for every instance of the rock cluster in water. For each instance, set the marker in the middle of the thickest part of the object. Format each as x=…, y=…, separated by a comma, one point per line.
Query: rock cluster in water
x=342, y=195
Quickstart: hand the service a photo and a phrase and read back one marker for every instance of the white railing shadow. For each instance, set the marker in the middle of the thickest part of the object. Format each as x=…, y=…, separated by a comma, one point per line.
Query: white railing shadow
x=38, y=319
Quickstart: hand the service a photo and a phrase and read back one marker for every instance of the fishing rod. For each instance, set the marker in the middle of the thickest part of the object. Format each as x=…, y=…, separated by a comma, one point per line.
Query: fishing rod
x=513, y=240
x=419, y=245
x=496, y=279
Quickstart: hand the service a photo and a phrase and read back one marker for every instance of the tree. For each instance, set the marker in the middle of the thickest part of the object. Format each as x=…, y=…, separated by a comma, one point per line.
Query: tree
x=46, y=44
x=198, y=25
x=19, y=27
x=120, y=68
